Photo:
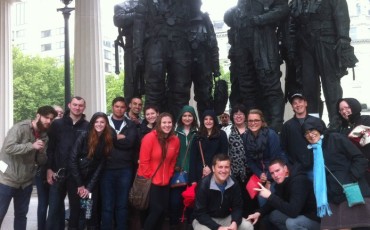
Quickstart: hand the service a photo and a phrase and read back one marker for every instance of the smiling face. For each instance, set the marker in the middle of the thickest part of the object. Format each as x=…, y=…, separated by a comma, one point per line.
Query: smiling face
x=136, y=105
x=239, y=118
x=299, y=106
x=99, y=125
x=151, y=115
x=345, y=110
x=254, y=123
x=166, y=124
x=312, y=136
x=208, y=122
x=278, y=172
x=221, y=171
x=187, y=119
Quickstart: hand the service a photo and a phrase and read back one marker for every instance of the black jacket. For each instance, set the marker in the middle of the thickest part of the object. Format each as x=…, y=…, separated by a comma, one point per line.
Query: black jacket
x=293, y=197
x=124, y=150
x=346, y=162
x=86, y=171
x=211, y=146
x=355, y=119
x=62, y=135
x=294, y=143
x=210, y=202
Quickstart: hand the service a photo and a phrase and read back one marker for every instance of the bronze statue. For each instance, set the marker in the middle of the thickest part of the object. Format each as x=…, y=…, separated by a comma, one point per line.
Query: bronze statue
x=254, y=55
x=319, y=30
x=124, y=14
x=204, y=55
x=161, y=44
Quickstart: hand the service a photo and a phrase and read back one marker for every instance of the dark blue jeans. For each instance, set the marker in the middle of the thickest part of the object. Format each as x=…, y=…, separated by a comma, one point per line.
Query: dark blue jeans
x=176, y=205
x=57, y=194
x=114, y=187
x=43, y=200
x=21, y=199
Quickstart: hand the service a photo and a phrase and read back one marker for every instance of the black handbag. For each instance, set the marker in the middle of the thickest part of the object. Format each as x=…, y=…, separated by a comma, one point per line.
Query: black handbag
x=220, y=96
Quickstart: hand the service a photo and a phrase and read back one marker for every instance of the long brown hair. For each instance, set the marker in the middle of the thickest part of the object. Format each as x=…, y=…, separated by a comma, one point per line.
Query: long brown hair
x=163, y=137
x=94, y=138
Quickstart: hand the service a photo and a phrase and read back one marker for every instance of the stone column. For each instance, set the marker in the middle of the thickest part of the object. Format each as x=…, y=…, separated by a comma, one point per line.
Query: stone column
x=89, y=75
x=6, y=70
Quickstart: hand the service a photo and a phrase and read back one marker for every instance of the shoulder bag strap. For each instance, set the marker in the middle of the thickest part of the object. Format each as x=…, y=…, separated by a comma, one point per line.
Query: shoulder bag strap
x=201, y=153
x=186, y=153
x=334, y=176
x=160, y=164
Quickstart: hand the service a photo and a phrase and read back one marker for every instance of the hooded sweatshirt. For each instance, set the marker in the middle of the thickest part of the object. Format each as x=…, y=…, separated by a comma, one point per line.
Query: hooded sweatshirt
x=185, y=140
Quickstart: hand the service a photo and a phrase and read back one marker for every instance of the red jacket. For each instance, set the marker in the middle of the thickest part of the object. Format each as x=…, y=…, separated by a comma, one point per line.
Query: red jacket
x=151, y=156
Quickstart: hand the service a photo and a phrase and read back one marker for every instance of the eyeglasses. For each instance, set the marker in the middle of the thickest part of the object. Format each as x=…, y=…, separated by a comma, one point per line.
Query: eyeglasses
x=238, y=114
x=253, y=121
x=344, y=109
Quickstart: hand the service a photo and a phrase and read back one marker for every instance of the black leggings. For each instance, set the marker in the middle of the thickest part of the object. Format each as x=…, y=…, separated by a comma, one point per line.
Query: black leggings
x=158, y=204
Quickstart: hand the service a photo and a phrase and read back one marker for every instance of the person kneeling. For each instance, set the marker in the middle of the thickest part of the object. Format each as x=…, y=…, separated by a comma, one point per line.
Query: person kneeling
x=292, y=205
x=218, y=202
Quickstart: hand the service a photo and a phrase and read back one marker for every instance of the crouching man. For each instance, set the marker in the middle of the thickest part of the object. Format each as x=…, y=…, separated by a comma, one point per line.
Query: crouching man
x=292, y=206
x=218, y=202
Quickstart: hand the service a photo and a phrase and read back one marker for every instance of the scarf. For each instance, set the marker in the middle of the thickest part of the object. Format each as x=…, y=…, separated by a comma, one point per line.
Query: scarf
x=255, y=146
x=319, y=180
x=237, y=155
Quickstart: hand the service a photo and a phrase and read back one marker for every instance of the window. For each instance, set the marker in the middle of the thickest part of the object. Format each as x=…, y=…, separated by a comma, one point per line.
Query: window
x=107, y=67
x=45, y=33
x=107, y=55
x=59, y=31
x=107, y=43
x=19, y=33
x=45, y=47
x=20, y=13
x=59, y=45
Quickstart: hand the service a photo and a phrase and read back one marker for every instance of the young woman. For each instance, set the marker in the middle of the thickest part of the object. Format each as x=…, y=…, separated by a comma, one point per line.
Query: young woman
x=151, y=113
x=187, y=126
x=262, y=145
x=349, y=110
x=348, y=165
x=213, y=141
x=158, y=154
x=237, y=137
x=86, y=163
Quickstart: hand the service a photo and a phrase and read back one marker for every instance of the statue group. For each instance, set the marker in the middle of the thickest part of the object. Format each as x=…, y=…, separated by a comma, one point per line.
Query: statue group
x=170, y=44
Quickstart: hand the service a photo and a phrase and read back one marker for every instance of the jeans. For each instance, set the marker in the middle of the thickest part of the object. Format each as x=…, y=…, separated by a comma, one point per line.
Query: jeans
x=114, y=187
x=284, y=222
x=176, y=205
x=21, y=202
x=43, y=200
x=158, y=204
x=56, y=214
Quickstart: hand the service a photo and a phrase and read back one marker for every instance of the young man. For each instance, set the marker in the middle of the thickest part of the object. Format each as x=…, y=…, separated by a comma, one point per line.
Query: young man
x=62, y=134
x=225, y=119
x=292, y=205
x=218, y=202
x=134, y=114
x=24, y=148
x=116, y=178
x=293, y=142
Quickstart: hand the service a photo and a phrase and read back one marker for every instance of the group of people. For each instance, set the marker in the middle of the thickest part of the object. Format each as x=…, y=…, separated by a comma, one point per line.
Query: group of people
x=95, y=161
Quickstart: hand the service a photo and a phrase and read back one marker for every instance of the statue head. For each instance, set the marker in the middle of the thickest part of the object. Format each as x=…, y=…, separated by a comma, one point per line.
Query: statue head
x=66, y=2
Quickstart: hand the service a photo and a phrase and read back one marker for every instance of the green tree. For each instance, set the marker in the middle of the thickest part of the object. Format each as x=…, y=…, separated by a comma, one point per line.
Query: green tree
x=114, y=88
x=37, y=81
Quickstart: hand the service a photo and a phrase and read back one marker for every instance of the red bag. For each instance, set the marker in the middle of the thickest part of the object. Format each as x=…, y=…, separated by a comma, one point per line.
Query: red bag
x=189, y=198
x=253, y=183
